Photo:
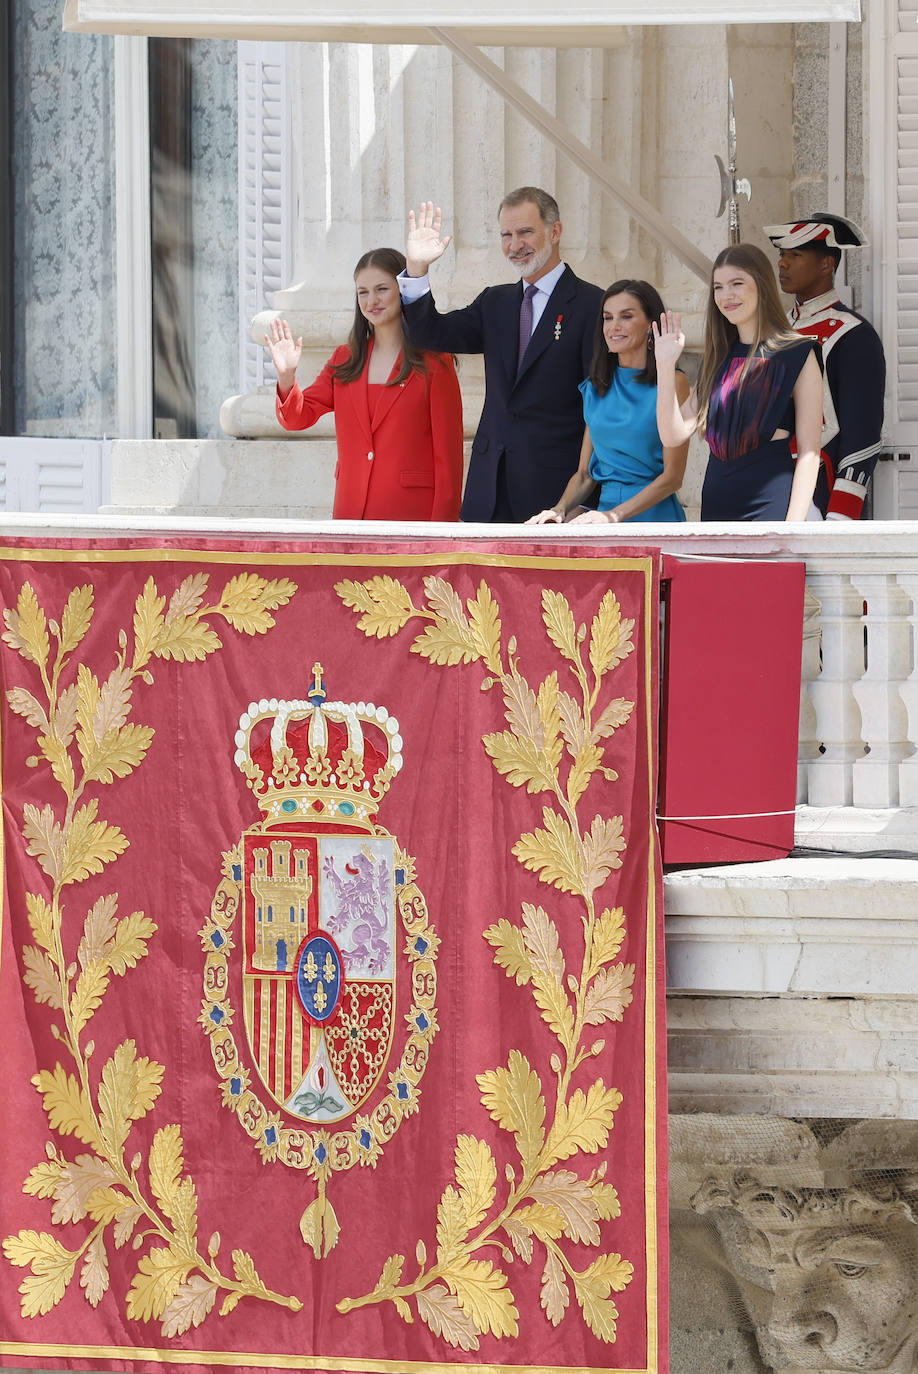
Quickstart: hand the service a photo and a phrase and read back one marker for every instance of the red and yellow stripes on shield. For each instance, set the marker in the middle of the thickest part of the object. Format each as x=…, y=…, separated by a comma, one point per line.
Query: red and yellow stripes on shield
x=279, y=1036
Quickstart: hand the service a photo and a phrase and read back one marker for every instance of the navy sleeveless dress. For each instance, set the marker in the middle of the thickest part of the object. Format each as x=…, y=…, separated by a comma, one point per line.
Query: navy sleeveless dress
x=749, y=474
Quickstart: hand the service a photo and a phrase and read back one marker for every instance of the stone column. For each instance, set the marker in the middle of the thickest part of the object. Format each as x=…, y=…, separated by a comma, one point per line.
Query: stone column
x=908, y=690
x=808, y=750
x=878, y=693
x=838, y=719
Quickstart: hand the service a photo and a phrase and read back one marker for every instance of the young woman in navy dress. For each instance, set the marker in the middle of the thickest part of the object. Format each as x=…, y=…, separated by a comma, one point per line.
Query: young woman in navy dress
x=622, y=452
x=760, y=386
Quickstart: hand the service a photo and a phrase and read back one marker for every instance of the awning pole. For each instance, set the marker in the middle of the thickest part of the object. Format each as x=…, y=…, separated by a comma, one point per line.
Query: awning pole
x=557, y=133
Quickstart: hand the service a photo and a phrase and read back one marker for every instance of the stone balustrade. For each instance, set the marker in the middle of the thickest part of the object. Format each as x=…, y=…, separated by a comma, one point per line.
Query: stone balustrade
x=858, y=755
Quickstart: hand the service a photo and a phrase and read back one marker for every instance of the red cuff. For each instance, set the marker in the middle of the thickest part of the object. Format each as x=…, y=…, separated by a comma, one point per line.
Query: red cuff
x=847, y=504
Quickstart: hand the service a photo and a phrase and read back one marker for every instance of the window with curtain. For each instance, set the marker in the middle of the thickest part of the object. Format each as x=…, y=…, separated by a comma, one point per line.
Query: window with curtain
x=58, y=346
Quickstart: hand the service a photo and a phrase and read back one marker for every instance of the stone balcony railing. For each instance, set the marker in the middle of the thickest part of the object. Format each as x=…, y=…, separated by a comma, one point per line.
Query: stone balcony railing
x=857, y=787
x=858, y=755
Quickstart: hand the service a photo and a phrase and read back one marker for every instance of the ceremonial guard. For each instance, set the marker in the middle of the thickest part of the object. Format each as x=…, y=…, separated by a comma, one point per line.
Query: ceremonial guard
x=855, y=371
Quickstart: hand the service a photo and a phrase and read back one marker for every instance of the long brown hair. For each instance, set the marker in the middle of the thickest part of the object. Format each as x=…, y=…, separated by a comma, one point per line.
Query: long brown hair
x=605, y=362
x=388, y=260
x=772, y=331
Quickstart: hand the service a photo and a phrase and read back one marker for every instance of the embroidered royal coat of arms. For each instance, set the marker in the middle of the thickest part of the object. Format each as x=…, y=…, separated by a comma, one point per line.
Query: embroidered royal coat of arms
x=316, y=919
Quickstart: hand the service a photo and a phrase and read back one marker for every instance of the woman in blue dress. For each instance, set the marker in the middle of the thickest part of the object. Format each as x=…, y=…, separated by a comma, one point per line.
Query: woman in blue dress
x=622, y=453
x=760, y=386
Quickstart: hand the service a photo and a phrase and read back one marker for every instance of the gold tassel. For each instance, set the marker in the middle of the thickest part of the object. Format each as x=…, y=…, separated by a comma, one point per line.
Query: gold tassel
x=319, y=1225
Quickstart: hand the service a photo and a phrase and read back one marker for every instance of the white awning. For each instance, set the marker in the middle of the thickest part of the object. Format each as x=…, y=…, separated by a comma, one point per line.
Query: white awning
x=588, y=22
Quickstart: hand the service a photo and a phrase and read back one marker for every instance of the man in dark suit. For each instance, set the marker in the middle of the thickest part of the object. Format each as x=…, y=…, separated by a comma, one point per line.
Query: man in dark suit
x=537, y=345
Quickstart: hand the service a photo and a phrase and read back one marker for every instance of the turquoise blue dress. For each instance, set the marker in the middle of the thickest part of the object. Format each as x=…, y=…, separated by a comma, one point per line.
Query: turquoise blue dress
x=627, y=450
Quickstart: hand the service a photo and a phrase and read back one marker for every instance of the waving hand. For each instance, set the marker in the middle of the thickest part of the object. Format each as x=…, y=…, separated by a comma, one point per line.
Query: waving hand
x=425, y=244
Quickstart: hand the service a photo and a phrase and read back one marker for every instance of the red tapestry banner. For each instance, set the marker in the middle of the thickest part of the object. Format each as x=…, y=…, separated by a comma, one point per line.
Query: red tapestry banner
x=331, y=972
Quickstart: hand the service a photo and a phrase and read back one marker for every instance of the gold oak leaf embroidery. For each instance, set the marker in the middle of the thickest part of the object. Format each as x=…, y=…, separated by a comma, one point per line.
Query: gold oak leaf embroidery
x=86, y=738
x=554, y=744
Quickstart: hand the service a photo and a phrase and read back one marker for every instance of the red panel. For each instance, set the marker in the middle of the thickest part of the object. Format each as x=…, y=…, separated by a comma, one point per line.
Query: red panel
x=730, y=705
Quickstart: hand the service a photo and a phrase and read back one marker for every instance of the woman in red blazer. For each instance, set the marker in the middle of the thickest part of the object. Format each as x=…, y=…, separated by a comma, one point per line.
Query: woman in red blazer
x=398, y=413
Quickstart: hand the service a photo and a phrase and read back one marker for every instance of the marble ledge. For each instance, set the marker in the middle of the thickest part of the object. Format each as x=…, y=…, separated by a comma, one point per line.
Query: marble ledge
x=836, y=886
x=857, y=829
x=887, y=547
x=771, y=1021
x=834, y=1056
x=793, y=1050
x=817, y=1093
x=787, y=966
x=830, y=927
x=189, y=478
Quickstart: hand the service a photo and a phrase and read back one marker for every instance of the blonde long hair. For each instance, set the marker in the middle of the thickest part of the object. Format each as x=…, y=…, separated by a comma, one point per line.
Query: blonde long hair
x=772, y=330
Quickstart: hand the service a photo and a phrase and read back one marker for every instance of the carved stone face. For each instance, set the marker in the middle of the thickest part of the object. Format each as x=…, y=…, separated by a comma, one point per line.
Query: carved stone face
x=845, y=1296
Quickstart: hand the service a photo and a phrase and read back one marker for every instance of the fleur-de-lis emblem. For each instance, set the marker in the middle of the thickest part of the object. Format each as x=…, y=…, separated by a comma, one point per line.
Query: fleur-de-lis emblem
x=311, y=968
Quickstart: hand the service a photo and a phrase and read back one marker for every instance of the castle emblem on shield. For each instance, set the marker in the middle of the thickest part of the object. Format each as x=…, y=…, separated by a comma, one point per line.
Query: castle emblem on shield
x=318, y=935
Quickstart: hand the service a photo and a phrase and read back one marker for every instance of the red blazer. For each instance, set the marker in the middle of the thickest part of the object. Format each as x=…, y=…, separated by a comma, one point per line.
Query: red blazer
x=403, y=462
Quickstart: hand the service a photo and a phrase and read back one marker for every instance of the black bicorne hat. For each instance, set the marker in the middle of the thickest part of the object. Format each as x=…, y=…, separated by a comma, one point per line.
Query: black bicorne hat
x=832, y=231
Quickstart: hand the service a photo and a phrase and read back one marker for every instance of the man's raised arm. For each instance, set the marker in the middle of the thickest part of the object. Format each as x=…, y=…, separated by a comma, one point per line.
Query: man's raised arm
x=457, y=331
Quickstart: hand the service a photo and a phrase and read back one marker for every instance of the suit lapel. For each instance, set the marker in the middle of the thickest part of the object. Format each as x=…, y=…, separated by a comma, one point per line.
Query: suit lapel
x=510, y=336
x=545, y=331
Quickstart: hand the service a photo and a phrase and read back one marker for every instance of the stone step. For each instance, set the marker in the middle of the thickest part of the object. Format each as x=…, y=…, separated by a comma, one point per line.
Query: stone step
x=792, y=988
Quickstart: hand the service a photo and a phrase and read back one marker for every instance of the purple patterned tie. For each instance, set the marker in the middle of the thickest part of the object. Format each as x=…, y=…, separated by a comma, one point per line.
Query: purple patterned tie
x=525, y=323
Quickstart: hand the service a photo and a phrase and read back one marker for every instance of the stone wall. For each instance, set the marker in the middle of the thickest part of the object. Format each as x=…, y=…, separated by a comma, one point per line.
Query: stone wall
x=810, y=189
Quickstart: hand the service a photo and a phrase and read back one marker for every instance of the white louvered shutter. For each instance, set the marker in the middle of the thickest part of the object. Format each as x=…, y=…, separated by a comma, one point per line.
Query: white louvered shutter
x=892, y=165
x=904, y=366
x=63, y=476
x=266, y=195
